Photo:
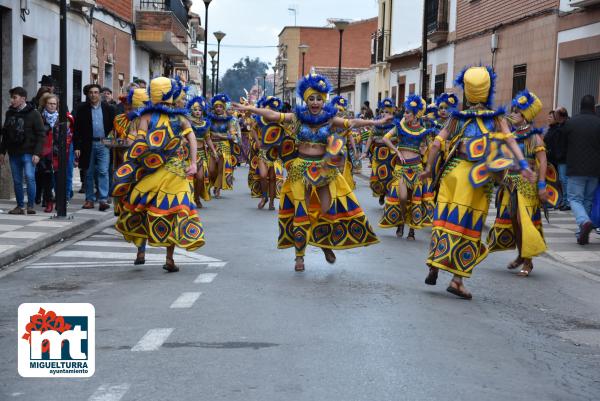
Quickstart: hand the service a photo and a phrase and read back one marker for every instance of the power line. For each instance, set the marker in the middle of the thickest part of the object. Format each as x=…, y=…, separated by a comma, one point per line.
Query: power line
x=244, y=46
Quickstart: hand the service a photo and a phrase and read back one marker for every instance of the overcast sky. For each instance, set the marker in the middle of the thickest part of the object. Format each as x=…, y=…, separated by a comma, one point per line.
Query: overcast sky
x=259, y=22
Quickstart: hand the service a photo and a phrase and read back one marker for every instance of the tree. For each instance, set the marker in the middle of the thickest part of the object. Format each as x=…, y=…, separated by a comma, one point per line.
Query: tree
x=242, y=76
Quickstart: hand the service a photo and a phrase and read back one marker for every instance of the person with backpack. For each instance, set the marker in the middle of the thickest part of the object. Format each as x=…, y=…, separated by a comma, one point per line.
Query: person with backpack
x=23, y=136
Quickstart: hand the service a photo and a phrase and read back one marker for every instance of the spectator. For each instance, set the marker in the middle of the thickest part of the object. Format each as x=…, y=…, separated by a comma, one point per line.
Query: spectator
x=368, y=110
x=107, y=96
x=141, y=83
x=41, y=92
x=582, y=134
x=557, y=152
x=93, y=123
x=48, y=82
x=23, y=138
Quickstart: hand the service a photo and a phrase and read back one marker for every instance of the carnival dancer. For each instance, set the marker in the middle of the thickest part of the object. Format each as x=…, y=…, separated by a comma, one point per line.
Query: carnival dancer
x=224, y=133
x=341, y=104
x=381, y=157
x=156, y=178
x=404, y=201
x=519, y=212
x=317, y=206
x=481, y=144
x=197, y=107
x=268, y=136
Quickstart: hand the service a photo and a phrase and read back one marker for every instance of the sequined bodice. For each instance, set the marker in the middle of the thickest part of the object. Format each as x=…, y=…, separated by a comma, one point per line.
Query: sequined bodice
x=314, y=134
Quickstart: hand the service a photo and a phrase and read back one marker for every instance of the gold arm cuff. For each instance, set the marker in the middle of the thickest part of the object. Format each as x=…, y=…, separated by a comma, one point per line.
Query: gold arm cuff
x=346, y=123
x=186, y=131
x=281, y=118
x=538, y=149
x=442, y=142
x=501, y=136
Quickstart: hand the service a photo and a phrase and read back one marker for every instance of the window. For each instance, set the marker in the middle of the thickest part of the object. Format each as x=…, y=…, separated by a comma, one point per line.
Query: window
x=431, y=17
x=440, y=84
x=108, y=75
x=395, y=94
x=519, y=78
x=55, y=74
x=401, y=93
x=76, y=88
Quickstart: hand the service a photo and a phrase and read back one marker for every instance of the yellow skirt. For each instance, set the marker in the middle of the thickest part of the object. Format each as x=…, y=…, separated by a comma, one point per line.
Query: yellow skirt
x=160, y=210
x=381, y=169
x=458, y=221
x=347, y=173
x=344, y=226
x=254, y=174
x=415, y=214
x=225, y=181
x=502, y=236
x=202, y=159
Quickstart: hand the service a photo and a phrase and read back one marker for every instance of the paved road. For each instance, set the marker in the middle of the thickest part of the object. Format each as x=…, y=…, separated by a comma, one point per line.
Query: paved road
x=238, y=324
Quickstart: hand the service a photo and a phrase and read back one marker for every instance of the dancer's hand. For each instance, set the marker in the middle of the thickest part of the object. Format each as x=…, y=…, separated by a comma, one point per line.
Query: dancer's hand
x=528, y=175
x=214, y=154
x=191, y=170
x=399, y=154
x=543, y=195
x=425, y=175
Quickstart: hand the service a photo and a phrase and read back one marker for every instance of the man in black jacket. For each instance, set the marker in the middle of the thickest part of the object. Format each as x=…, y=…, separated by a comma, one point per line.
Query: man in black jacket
x=583, y=164
x=556, y=148
x=93, y=123
x=23, y=136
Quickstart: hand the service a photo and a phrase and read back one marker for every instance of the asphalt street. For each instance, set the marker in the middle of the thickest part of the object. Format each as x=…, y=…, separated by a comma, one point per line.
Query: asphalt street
x=237, y=323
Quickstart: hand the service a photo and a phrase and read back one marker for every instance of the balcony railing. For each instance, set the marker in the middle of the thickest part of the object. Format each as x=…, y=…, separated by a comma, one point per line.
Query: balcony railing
x=380, y=42
x=437, y=20
x=175, y=6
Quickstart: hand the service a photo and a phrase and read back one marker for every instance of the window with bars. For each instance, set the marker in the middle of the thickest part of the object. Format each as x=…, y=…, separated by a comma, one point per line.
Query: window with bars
x=55, y=74
x=519, y=78
x=440, y=84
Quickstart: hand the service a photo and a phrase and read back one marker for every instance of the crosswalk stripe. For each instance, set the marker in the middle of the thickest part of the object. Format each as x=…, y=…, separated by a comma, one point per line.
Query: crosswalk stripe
x=109, y=393
x=152, y=340
x=205, y=278
x=185, y=300
x=64, y=265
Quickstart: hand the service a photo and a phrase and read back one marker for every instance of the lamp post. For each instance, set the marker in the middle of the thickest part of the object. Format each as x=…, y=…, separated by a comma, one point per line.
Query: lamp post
x=283, y=66
x=219, y=35
x=303, y=49
x=212, y=54
x=206, y=4
x=265, y=84
x=340, y=25
x=61, y=182
x=275, y=68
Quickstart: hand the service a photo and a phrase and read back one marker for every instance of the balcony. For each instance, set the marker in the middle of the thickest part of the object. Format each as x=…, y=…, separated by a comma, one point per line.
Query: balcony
x=583, y=3
x=379, y=40
x=437, y=21
x=159, y=27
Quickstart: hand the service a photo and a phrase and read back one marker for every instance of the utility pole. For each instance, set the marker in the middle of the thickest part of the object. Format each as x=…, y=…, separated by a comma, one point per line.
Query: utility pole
x=61, y=182
x=424, y=80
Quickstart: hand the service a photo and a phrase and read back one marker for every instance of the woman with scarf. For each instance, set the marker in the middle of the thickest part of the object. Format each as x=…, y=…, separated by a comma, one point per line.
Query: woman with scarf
x=480, y=144
x=201, y=126
x=404, y=203
x=156, y=179
x=519, y=214
x=48, y=164
x=224, y=133
x=317, y=206
x=381, y=157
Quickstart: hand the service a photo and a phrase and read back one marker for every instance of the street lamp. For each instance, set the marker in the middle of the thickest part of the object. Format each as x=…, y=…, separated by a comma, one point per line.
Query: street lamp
x=265, y=84
x=212, y=54
x=283, y=67
x=219, y=35
x=206, y=4
x=340, y=25
x=275, y=68
x=303, y=50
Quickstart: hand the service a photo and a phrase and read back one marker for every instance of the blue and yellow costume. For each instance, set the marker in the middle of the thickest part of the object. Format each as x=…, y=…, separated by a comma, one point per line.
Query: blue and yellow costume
x=519, y=216
x=201, y=129
x=411, y=139
x=270, y=136
x=224, y=133
x=465, y=186
x=301, y=222
x=381, y=156
x=158, y=205
x=341, y=104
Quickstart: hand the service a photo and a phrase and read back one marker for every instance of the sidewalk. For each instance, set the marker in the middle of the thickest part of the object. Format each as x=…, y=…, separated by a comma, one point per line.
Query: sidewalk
x=24, y=235
x=559, y=234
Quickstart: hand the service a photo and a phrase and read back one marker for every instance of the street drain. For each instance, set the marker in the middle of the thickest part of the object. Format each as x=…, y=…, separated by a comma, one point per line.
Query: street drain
x=64, y=286
x=584, y=336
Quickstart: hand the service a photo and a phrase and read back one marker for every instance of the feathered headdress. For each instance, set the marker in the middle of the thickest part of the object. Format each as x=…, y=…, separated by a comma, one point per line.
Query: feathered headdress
x=137, y=97
x=416, y=105
x=200, y=101
x=339, y=102
x=272, y=102
x=432, y=111
x=311, y=84
x=450, y=100
x=478, y=84
x=387, y=103
x=528, y=104
x=161, y=90
x=220, y=98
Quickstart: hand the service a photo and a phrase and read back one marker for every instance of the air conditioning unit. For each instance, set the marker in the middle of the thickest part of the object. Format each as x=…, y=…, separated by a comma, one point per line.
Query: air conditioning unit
x=583, y=3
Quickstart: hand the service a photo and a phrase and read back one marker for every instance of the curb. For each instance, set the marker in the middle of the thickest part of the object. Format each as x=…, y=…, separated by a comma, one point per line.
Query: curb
x=16, y=255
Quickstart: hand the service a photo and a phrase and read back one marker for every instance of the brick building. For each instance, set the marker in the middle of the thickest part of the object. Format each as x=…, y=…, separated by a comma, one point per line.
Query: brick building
x=322, y=52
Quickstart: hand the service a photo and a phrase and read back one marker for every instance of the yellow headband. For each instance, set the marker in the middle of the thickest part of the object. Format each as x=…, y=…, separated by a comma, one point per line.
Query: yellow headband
x=140, y=96
x=219, y=102
x=310, y=91
x=533, y=110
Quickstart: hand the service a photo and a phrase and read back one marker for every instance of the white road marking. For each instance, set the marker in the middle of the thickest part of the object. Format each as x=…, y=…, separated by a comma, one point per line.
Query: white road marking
x=50, y=224
x=557, y=230
x=72, y=265
x=22, y=234
x=4, y=216
x=153, y=340
x=216, y=265
x=579, y=256
x=109, y=393
x=186, y=300
x=156, y=257
x=205, y=278
x=10, y=227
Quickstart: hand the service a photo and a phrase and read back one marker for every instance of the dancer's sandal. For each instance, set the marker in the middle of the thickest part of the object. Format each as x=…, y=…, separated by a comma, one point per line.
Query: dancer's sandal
x=262, y=203
x=329, y=255
x=526, y=269
x=382, y=200
x=431, y=278
x=411, y=235
x=459, y=290
x=400, y=231
x=170, y=266
x=140, y=258
x=515, y=263
x=299, y=267
x=271, y=206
